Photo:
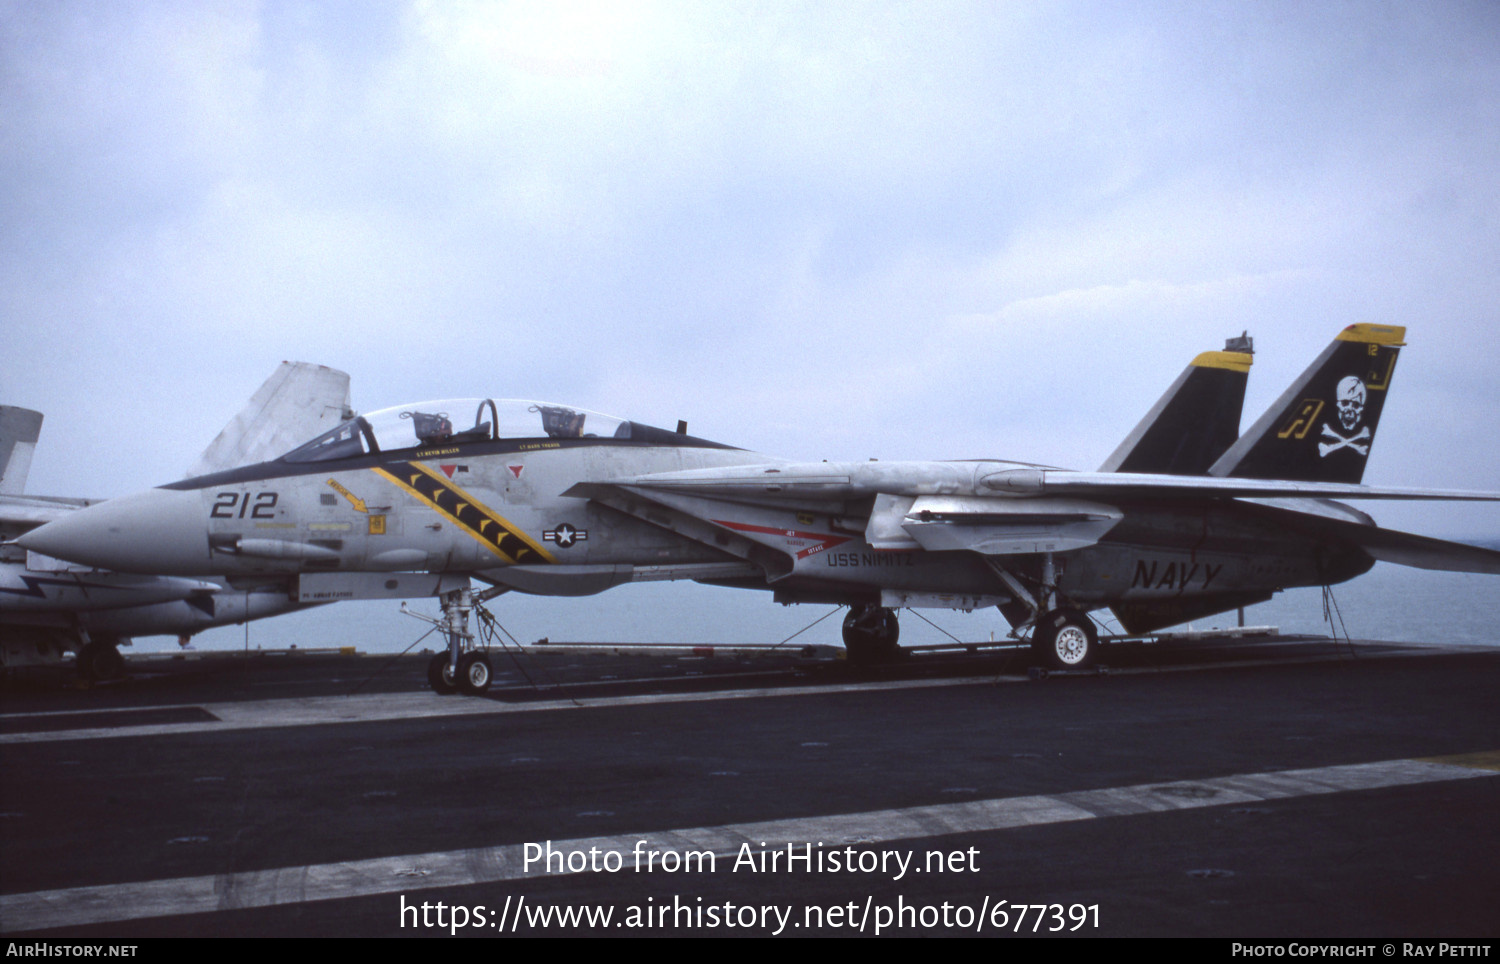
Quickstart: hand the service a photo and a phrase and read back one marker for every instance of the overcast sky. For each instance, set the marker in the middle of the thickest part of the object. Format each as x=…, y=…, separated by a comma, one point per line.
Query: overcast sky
x=828, y=230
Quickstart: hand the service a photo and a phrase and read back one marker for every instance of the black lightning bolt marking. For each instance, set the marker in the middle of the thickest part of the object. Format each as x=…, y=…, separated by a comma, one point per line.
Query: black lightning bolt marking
x=34, y=586
x=490, y=529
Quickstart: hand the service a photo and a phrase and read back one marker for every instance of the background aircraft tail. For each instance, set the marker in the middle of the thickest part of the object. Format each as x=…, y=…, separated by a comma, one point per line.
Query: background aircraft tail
x=19, y=430
x=1322, y=427
x=1195, y=420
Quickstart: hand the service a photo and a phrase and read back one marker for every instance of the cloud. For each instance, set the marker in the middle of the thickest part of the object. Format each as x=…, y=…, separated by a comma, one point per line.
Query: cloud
x=832, y=231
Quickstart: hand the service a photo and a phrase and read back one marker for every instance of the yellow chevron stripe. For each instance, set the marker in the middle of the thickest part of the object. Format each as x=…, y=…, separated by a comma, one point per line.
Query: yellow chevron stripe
x=489, y=514
x=506, y=541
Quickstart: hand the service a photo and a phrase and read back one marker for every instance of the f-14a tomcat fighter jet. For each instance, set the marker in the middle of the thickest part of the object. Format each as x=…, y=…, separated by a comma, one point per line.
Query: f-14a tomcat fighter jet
x=50, y=608
x=1184, y=521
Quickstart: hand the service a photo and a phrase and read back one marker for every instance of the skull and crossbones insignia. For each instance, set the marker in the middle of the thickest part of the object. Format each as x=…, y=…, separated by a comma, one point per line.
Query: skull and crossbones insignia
x=1350, y=397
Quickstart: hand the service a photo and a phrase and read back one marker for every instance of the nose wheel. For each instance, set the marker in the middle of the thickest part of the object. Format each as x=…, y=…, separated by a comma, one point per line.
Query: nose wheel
x=440, y=675
x=473, y=673
x=461, y=668
x=472, y=678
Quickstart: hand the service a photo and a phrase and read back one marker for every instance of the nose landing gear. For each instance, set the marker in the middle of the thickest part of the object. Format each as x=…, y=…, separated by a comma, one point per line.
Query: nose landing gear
x=462, y=669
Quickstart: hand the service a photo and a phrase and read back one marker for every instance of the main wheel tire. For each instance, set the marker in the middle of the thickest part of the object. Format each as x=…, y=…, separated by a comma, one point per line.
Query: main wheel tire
x=871, y=634
x=473, y=674
x=1066, y=639
x=100, y=661
x=440, y=675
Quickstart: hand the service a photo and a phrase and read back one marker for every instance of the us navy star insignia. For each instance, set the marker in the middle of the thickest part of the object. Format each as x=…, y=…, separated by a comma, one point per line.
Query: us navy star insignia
x=565, y=535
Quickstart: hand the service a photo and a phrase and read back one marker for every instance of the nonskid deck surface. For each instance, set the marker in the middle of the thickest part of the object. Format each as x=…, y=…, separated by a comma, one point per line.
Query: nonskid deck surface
x=1296, y=787
x=533, y=671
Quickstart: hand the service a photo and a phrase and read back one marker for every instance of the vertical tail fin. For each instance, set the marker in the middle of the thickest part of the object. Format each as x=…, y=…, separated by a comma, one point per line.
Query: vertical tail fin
x=1322, y=427
x=1195, y=420
x=19, y=430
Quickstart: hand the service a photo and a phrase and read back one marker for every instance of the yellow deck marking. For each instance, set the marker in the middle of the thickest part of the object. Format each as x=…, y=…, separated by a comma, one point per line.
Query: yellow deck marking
x=1484, y=760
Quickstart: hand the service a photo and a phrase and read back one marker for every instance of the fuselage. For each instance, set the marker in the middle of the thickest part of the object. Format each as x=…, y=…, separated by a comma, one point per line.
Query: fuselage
x=401, y=491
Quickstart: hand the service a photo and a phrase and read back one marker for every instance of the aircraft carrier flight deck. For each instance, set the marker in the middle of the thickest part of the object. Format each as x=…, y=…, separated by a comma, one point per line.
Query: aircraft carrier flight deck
x=1261, y=787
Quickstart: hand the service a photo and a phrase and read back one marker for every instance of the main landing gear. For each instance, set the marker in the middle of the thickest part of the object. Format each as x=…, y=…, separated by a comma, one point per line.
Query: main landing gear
x=1061, y=637
x=461, y=669
x=870, y=634
x=1065, y=639
x=100, y=660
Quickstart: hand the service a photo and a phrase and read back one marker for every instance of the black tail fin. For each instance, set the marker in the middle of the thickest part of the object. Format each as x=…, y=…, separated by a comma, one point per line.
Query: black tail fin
x=1321, y=429
x=1194, y=421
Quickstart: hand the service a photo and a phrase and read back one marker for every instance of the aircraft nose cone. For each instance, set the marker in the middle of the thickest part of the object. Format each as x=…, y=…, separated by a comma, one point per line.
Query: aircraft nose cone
x=160, y=531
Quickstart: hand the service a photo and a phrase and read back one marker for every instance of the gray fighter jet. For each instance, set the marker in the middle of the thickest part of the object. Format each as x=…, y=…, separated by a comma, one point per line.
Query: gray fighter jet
x=555, y=500
x=50, y=608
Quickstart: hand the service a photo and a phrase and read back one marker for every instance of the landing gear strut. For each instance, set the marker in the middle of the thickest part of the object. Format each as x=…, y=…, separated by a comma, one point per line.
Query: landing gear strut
x=460, y=669
x=870, y=634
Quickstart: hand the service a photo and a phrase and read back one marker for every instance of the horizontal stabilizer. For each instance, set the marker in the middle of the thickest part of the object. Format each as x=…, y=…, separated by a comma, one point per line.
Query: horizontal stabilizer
x=1403, y=548
x=1424, y=552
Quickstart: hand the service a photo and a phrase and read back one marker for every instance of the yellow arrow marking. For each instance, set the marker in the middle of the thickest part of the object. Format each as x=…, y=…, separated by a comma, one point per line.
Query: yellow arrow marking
x=358, y=503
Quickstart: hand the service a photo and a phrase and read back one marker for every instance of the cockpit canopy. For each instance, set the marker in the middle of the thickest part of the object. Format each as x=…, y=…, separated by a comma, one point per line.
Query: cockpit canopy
x=457, y=420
